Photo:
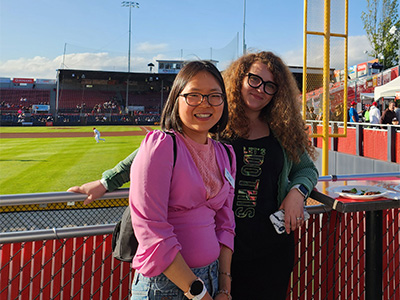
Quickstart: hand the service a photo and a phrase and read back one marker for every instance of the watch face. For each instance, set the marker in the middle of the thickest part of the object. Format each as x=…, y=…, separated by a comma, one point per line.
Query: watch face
x=196, y=288
x=303, y=189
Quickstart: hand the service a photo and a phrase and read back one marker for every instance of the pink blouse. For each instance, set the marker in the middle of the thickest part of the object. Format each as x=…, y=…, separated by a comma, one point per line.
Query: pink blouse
x=204, y=157
x=169, y=206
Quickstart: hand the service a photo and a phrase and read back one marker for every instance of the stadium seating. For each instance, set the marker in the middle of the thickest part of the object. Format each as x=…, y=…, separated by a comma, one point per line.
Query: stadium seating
x=24, y=97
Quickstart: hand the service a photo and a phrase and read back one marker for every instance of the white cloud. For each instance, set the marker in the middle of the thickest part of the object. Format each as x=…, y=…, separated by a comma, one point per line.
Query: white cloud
x=43, y=67
x=36, y=67
x=148, y=47
x=357, y=45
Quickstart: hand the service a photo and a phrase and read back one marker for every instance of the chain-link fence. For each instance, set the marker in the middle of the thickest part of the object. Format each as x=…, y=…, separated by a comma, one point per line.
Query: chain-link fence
x=77, y=262
x=325, y=47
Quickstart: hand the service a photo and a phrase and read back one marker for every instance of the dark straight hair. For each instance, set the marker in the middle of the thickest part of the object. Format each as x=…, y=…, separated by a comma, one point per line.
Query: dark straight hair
x=170, y=118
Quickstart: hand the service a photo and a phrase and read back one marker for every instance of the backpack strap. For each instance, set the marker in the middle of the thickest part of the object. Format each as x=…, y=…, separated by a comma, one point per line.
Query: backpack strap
x=174, y=139
x=229, y=153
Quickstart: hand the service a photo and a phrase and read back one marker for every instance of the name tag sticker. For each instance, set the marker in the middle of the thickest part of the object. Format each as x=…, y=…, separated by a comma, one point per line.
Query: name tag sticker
x=229, y=177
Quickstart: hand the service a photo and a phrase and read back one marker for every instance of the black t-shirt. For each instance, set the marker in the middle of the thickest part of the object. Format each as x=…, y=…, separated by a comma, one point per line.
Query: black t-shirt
x=259, y=164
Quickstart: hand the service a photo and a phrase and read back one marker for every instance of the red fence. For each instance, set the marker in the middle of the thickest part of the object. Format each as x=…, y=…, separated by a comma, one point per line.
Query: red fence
x=374, y=141
x=330, y=263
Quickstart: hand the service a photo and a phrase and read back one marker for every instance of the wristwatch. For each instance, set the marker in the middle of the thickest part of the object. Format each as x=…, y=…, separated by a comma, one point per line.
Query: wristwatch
x=302, y=189
x=197, y=290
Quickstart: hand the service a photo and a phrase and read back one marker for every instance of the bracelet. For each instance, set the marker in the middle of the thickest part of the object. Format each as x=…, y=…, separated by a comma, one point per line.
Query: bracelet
x=225, y=292
x=225, y=273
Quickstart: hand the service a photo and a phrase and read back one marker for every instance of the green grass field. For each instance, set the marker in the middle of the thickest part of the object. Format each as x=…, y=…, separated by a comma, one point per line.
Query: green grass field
x=45, y=129
x=36, y=165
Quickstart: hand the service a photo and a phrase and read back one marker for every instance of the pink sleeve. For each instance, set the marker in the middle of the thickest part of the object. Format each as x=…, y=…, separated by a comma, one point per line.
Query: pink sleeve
x=225, y=219
x=150, y=176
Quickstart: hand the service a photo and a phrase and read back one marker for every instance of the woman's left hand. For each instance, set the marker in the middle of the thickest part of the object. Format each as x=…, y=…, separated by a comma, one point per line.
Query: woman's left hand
x=293, y=205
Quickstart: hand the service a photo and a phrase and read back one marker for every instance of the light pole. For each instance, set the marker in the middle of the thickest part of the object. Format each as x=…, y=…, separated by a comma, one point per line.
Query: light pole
x=382, y=57
x=129, y=4
x=395, y=31
x=244, y=27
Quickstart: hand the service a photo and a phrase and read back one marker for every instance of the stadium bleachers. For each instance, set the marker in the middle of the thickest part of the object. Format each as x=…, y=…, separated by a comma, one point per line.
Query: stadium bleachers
x=72, y=98
x=24, y=97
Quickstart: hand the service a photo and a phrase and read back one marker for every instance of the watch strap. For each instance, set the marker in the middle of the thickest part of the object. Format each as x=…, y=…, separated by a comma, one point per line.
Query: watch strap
x=189, y=295
x=302, y=190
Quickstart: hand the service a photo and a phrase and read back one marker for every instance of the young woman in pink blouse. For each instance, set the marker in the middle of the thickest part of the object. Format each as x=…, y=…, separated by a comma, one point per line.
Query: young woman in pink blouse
x=182, y=209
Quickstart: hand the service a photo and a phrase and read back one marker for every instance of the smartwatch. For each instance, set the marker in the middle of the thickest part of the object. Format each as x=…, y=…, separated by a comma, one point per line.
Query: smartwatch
x=197, y=290
x=302, y=189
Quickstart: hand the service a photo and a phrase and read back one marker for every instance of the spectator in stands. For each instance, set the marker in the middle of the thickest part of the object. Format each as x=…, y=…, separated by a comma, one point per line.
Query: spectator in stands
x=395, y=121
x=374, y=113
x=313, y=116
x=366, y=113
x=353, y=115
x=338, y=113
x=388, y=114
x=397, y=109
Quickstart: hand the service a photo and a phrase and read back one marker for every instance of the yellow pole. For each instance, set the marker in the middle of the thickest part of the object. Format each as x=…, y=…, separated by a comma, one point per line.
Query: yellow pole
x=346, y=67
x=304, y=88
x=325, y=103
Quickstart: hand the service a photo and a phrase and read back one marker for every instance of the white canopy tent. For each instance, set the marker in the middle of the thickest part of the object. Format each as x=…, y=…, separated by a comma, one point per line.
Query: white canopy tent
x=367, y=96
x=387, y=90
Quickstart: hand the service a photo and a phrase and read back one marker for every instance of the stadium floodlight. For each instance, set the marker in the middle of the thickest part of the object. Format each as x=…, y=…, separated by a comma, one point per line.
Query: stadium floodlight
x=129, y=4
x=395, y=31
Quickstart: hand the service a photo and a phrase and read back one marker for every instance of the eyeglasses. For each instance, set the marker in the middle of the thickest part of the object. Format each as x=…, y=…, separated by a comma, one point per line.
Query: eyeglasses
x=195, y=99
x=256, y=81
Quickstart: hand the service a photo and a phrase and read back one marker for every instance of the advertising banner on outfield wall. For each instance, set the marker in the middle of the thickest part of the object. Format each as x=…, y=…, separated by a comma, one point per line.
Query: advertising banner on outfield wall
x=40, y=108
x=23, y=80
x=5, y=80
x=45, y=81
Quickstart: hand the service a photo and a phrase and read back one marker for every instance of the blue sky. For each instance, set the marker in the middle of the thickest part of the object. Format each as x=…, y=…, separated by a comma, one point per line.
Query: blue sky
x=94, y=33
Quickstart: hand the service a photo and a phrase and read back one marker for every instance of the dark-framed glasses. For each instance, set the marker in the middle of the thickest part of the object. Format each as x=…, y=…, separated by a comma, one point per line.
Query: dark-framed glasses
x=255, y=81
x=195, y=99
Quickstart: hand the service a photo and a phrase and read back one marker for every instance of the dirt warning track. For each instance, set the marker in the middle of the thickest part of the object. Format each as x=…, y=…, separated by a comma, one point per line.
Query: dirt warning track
x=143, y=131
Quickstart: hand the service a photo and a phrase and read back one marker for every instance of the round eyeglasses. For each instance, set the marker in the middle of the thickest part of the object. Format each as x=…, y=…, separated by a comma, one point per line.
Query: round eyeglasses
x=255, y=81
x=195, y=99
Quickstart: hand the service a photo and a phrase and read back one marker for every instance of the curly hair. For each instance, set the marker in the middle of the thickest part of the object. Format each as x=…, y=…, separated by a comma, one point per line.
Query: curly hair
x=282, y=114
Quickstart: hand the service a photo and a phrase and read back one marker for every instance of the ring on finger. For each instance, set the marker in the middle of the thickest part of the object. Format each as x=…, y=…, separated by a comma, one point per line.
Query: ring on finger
x=299, y=218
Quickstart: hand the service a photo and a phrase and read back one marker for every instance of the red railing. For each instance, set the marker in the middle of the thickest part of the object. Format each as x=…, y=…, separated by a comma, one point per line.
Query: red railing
x=330, y=263
x=374, y=141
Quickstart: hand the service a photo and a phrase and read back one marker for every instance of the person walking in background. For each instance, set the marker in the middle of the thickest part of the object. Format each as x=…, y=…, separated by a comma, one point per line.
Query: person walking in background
x=388, y=114
x=366, y=114
x=353, y=115
x=97, y=135
x=397, y=110
x=374, y=113
x=274, y=171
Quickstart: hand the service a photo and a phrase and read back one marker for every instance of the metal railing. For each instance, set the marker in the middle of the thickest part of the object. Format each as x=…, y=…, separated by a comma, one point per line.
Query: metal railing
x=362, y=139
x=77, y=262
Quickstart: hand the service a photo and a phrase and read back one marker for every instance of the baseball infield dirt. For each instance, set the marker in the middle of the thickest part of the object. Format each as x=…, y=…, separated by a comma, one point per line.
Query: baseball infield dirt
x=144, y=130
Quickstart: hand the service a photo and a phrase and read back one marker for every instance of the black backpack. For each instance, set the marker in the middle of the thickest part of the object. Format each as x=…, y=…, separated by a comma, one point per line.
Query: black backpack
x=124, y=243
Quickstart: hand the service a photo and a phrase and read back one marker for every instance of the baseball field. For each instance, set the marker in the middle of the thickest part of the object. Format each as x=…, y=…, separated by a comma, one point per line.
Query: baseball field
x=52, y=159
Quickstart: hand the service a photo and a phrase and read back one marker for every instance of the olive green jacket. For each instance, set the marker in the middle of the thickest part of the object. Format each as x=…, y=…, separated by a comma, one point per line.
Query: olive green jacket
x=292, y=174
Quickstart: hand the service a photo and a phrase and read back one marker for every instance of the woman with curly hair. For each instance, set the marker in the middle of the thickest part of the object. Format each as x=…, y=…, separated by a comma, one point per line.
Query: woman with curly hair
x=274, y=171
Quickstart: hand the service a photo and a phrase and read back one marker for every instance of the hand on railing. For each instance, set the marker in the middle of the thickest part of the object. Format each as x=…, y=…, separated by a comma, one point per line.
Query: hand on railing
x=93, y=189
x=293, y=205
